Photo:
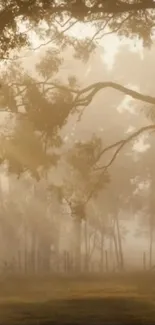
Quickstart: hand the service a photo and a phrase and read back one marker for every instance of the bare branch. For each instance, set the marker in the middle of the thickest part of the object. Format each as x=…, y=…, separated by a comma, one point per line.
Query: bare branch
x=45, y=83
x=120, y=145
x=55, y=38
x=94, y=88
x=116, y=29
x=102, y=28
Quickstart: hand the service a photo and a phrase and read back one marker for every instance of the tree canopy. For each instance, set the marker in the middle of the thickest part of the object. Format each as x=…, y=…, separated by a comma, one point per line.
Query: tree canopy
x=42, y=105
x=127, y=18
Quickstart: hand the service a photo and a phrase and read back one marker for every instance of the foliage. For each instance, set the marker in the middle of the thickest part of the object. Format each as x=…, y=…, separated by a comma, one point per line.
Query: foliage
x=129, y=18
x=38, y=110
x=83, y=179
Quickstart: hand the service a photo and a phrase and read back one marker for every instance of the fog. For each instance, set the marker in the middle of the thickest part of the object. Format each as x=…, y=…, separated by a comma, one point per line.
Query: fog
x=36, y=220
x=77, y=157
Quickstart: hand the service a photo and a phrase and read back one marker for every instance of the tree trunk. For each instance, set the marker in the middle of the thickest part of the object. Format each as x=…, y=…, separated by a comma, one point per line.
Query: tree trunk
x=25, y=251
x=102, y=252
x=151, y=242
x=46, y=257
x=111, y=254
x=116, y=250
x=57, y=255
x=86, y=246
x=19, y=261
x=144, y=261
x=77, y=232
x=121, y=257
x=106, y=261
x=33, y=252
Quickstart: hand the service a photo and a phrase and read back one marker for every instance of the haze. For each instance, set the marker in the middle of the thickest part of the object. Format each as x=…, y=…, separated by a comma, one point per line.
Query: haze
x=47, y=180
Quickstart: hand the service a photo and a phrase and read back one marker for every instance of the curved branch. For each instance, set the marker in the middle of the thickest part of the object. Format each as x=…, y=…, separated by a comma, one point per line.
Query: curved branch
x=120, y=145
x=93, y=89
x=116, y=29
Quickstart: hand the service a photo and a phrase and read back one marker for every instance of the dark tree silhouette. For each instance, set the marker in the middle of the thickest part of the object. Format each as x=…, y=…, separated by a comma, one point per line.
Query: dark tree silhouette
x=127, y=18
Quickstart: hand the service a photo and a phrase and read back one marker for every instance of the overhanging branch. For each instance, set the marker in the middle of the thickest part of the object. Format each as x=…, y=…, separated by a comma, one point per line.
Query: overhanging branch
x=93, y=89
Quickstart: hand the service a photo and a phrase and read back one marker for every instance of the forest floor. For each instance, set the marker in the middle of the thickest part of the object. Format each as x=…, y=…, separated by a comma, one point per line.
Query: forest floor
x=112, y=299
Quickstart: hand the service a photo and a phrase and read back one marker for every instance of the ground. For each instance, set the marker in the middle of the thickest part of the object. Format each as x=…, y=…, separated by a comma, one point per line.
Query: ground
x=111, y=299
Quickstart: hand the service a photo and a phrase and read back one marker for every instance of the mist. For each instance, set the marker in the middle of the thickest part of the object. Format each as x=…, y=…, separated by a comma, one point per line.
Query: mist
x=77, y=160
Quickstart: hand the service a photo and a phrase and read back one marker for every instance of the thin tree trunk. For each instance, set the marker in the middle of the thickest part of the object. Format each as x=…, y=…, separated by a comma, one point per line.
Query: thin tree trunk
x=144, y=261
x=57, y=252
x=116, y=249
x=106, y=261
x=25, y=249
x=151, y=241
x=86, y=246
x=77, y=232
x=19, y=261
x=102, y=252
x=119, y=244
x=111, y=253
x=36, y=254
x=33, y=247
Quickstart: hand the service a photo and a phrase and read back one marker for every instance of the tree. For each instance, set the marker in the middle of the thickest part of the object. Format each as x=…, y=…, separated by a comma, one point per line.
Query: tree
x=36, y=113
x=124, y=17
x=29, y=224
x=38, y=110
x=89, y=183
x=46, y=104
x=80, y=180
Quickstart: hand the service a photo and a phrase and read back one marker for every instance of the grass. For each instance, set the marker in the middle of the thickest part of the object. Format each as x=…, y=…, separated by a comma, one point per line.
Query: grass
x=119, y=299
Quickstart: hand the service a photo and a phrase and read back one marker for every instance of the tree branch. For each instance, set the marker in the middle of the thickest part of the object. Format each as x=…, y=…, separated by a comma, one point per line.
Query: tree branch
x=121, y=6
x=93, y=89
x=116, y=29
x=120, y=145
x=36, y=11
x=74, y=9
x=45, y=83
